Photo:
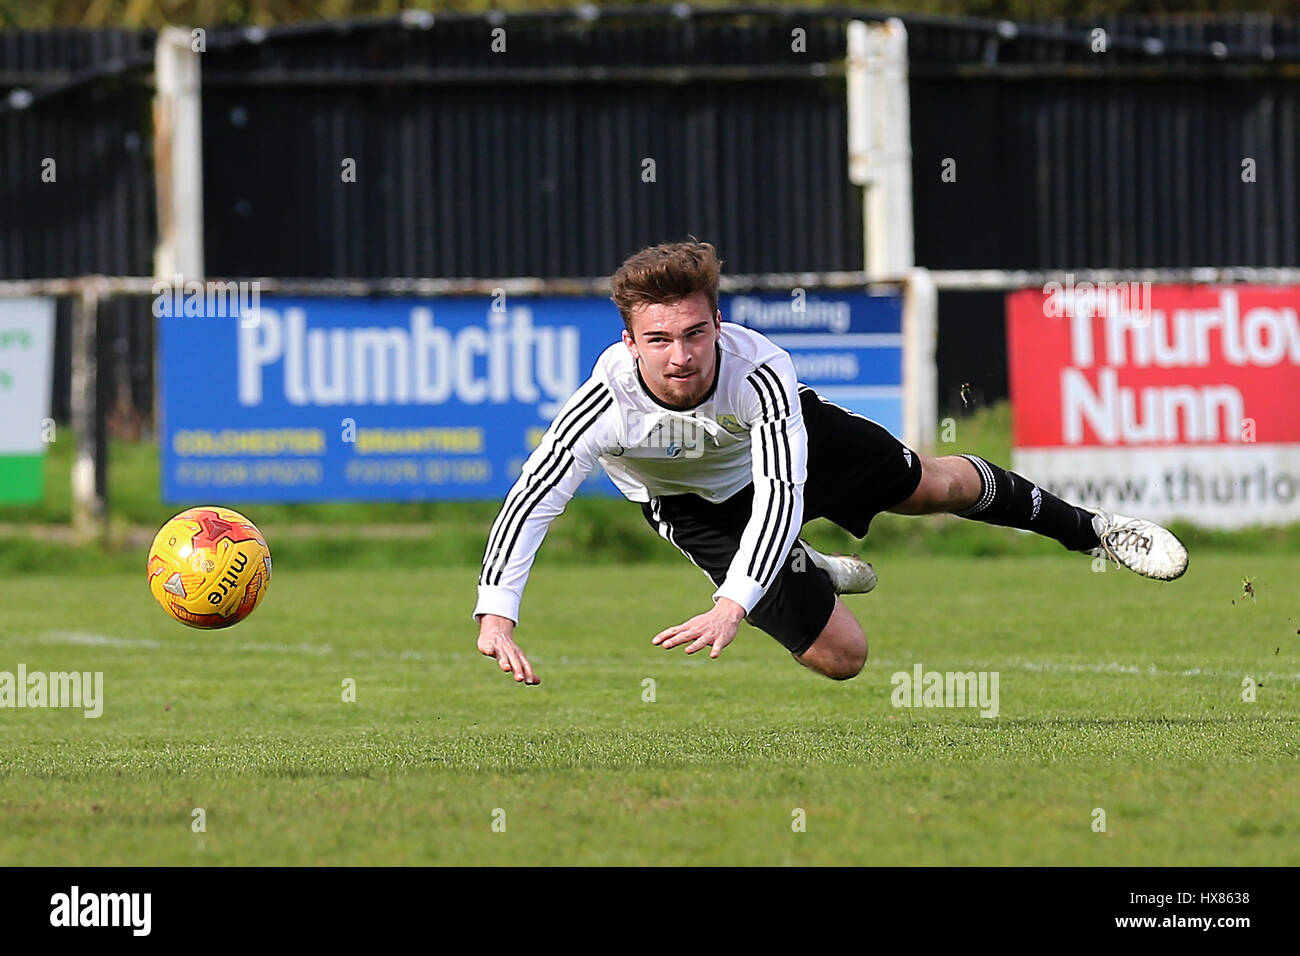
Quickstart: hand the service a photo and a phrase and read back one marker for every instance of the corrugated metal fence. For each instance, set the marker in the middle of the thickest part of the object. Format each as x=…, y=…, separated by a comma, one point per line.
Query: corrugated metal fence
x=473, y=160
x=1066, y=157
x=533, y=159
x=77, y=191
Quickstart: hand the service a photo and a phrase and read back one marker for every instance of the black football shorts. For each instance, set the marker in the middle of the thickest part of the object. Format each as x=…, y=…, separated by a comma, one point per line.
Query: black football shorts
x=856, y=469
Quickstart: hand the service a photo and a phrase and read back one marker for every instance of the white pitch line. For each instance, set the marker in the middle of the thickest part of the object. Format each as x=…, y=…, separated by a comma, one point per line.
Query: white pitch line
x=94, y=640
x=1110, y=667
x=87, y=639
x=320, y=650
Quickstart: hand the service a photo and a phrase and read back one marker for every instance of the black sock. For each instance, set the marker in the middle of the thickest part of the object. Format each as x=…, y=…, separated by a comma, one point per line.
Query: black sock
x=1014, y=501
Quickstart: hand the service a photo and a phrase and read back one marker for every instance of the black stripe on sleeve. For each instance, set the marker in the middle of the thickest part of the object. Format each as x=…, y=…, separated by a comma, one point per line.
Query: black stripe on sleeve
x=774, y=383
x=785, y=493
x=758, y=389
x=774, y=441
x=538, y=492
x=565, y=419
x=752, y=570
x=518, y=493
x=555, y=458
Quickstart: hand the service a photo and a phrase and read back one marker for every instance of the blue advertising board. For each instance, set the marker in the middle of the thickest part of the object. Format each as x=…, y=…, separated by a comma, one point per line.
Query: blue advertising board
x=847, y=346
x=315, y=399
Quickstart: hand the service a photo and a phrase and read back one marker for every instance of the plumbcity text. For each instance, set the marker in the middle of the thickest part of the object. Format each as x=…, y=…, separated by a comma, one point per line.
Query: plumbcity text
x=508, y=359
x=75, y=689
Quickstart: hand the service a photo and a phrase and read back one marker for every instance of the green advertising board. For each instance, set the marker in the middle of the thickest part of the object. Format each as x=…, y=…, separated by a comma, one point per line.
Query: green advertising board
x=26, y=354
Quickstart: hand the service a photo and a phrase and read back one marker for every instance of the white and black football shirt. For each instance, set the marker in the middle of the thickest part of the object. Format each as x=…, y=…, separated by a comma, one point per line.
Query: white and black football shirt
x=748, y=429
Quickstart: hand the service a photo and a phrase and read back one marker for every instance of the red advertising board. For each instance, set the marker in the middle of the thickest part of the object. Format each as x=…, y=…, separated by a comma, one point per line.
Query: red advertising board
x=1183, y=398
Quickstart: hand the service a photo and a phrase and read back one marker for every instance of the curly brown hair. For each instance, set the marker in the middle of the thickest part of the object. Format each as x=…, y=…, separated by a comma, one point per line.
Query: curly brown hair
x=668, y=272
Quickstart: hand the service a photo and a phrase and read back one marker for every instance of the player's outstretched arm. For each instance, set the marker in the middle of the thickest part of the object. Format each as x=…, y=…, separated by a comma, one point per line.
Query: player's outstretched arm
x=780, y=458
x=548, y=479
x=496, y=639
x=715, y=628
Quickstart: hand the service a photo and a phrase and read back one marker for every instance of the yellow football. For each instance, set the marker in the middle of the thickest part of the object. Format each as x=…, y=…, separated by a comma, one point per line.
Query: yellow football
x=209, y=567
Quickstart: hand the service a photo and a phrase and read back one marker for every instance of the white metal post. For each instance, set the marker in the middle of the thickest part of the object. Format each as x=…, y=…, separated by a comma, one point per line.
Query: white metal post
x=178, y=157
x=880, y=161
x=858, y=107
x=89, y=504
x=880, y=144
x=920, y=372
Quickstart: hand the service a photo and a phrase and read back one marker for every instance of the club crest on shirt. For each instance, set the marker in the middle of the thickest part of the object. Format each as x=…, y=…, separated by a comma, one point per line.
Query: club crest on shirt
x=731, y=424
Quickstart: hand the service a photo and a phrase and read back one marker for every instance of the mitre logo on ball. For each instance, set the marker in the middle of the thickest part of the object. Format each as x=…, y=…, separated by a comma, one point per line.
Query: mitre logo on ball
x=209, y=567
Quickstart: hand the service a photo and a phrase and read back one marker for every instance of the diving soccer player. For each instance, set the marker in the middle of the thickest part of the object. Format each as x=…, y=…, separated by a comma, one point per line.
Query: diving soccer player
x=704, y=424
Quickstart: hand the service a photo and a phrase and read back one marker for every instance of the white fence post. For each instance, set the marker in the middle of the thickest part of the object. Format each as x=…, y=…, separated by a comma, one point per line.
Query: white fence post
x=880, y=143
x=178, y=157
x=89, y=477
x=920, y=375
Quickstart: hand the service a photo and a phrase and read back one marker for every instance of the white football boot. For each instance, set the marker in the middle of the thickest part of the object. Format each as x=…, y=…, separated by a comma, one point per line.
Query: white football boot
x=1139, y=545
x=849, y=574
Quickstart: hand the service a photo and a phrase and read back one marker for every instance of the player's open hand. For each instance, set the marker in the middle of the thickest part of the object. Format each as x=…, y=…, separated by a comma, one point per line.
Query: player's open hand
x=715, y=628
x=495, y=639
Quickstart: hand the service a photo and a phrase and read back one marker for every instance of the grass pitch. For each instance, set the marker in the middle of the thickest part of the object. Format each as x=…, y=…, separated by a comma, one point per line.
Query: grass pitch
x=1115, y=693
